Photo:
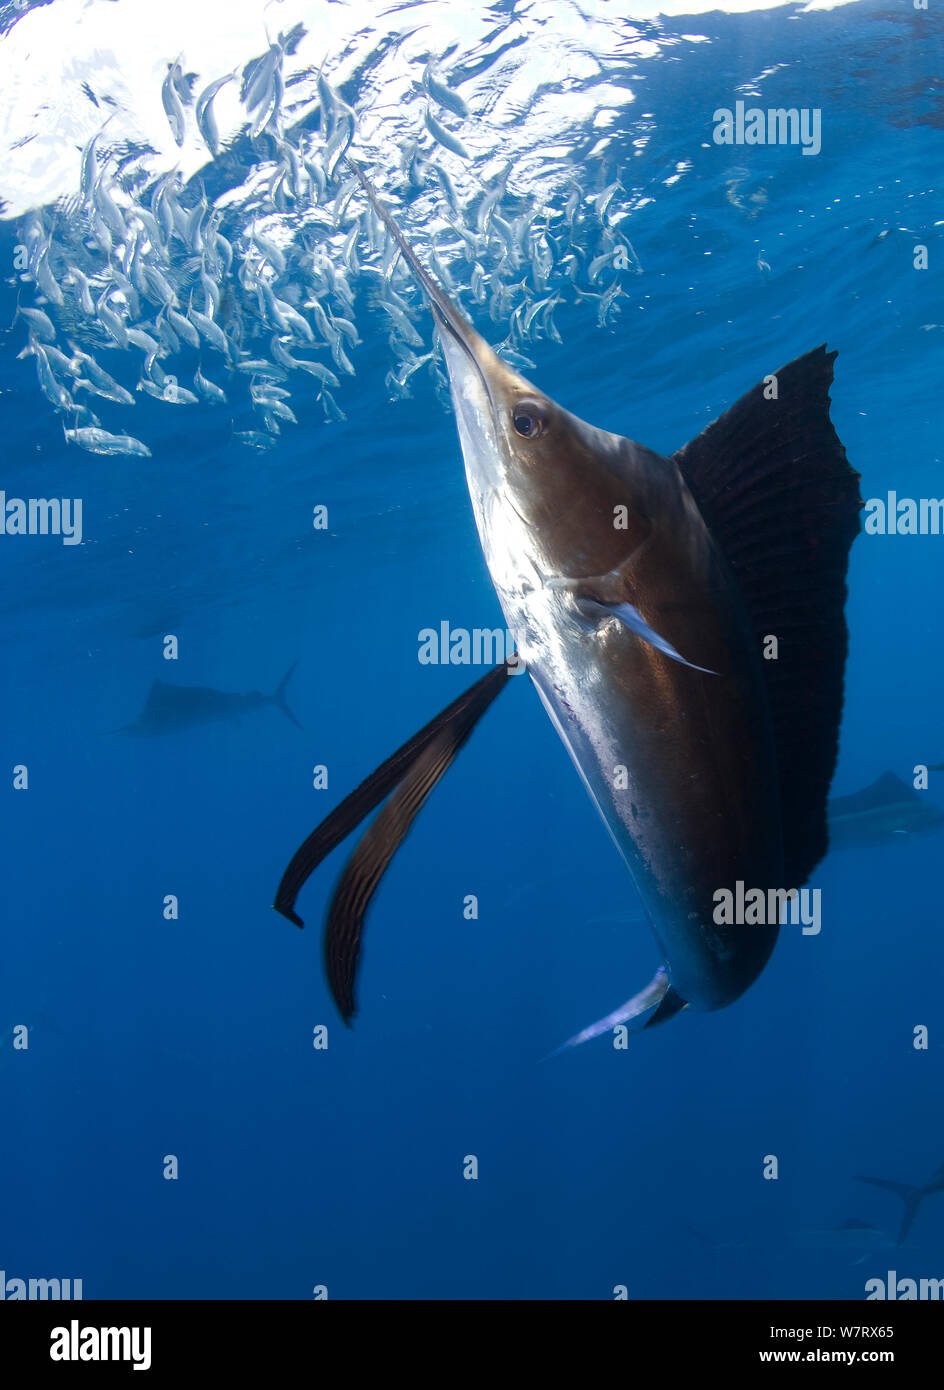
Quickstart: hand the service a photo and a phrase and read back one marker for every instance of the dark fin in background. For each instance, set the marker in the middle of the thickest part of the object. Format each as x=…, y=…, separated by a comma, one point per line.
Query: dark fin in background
x=462, y=715
x=911, y=1196
x=156, y=699
x=279, y=697
x=887, y=790
x=772, y=481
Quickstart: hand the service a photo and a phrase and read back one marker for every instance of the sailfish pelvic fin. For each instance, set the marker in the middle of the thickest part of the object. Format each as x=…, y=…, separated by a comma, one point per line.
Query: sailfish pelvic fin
x=658, y=995
x=403, y=782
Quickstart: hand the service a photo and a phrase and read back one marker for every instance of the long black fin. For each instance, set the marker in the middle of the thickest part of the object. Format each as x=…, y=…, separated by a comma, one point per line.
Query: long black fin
x=460, y=717
x=362, y=873
x=772, y=481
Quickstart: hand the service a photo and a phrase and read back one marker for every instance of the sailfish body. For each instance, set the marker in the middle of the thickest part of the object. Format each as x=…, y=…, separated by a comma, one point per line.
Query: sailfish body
x=641, y=591
x=676, y=754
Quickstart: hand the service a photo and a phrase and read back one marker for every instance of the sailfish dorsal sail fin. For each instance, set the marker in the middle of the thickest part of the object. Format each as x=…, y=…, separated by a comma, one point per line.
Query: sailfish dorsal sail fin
x=772, y=481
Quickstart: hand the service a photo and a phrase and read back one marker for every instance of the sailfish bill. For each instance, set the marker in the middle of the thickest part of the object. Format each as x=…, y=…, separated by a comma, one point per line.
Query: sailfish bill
x=644, y=594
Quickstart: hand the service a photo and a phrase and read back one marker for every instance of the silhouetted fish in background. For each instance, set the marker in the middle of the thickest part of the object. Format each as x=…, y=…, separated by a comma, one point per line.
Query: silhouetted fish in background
x=886, y=810
x=851, y=1234
x=169, y=708
x=911, y=1196
x=640, y=591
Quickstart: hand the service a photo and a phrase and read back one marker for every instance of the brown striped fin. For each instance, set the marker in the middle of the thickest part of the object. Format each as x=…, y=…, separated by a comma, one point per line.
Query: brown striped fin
x=345, y=925
x=410, y=774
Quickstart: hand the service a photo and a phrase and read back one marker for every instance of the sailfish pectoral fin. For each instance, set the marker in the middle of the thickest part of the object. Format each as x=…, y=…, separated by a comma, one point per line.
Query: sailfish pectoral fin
x=631, y=618
x=658, y=995
x=593, y=608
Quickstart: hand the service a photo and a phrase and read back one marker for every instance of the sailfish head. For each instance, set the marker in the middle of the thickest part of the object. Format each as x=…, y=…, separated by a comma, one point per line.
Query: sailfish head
x=523, y=452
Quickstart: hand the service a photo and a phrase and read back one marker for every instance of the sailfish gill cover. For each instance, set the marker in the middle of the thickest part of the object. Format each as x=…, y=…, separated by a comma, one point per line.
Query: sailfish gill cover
x=233, y=494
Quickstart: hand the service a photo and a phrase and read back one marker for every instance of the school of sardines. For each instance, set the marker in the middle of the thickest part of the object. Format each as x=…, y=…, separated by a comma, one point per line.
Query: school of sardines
x=240, y=297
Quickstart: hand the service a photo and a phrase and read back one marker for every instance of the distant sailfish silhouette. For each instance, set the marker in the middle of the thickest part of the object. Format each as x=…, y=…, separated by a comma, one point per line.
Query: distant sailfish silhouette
x=169, y=708
x=881, y=813
x=911, y=1196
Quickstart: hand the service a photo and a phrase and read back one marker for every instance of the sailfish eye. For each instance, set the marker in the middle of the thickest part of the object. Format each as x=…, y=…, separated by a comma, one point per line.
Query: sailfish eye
x=529, y=419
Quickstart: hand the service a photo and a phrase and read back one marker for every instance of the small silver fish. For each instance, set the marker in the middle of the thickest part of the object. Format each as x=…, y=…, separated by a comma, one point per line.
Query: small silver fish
x=47, y=281
x=40, y=324
x=253, y=439
x=206, y=121
x=255, y=364
x=53, y=390
x=337, y=146
x=317, y=175
x=442, y=94
x=265, y=387
x=332, y=410
x=341, y=358
x=81, y=290
x=297, y=322
x=143, y=340
x=211, y=289
x=175, y=394
x=405, y=328
x=257, y=87
x=267, y=112
x=602, y=201
x=315, y=369
x=184, y=327
x=158, y=286
x=173, y=106
x=110, y=212
x=208, y=329
x=89, y=167
x=447, y=186
x=278, y=408
x=270, y=251
x=444, y=137
x=209, y=389
x=98, y=441
x=60, y=361
x=99, y=381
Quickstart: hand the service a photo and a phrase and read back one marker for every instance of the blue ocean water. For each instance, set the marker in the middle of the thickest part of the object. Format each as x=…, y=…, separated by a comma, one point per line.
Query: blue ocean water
x=192, y=1037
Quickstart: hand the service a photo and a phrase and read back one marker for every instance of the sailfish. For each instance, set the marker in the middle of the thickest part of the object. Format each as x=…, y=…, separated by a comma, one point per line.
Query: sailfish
x=644, y=594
